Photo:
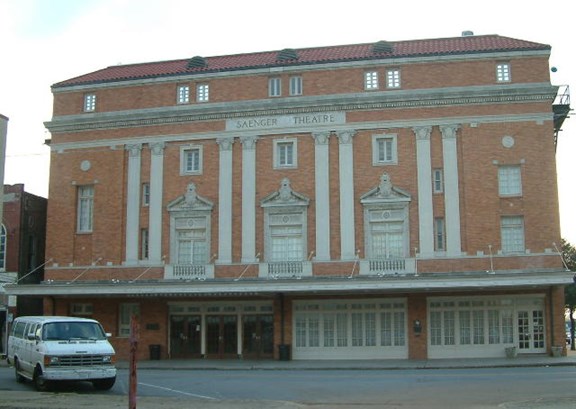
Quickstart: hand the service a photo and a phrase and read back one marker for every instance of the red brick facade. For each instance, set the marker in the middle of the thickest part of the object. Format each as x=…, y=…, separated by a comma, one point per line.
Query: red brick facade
x=471, y=123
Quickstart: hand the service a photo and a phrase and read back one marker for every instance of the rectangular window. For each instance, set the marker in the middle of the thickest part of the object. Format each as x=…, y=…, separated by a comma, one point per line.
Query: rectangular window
x=437, y=181
x=512, y=232
x=191, y=160
x=296, y=85
x=89, y=102
x=384, y=150
x=439, y=234
x=509, y=181
x=503, y=72
x=202, y=93
x=2, y=248
x=183, y=94
x=81, y=310
x=285, y=154
x=387, y=239
x=192, y=242
x=145, y=194
x=274, y=87
x=371, y=80
x=393, y=78
x=286, y=243
x=85, y=208
x=144, y=244
x=126, y=313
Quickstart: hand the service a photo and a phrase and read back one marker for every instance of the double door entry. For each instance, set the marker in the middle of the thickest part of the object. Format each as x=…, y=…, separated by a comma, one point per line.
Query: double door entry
x=221, y=336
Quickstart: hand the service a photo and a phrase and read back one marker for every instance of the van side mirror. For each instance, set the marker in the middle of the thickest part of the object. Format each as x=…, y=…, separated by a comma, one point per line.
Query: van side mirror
x=108, y=334
x=31, y=336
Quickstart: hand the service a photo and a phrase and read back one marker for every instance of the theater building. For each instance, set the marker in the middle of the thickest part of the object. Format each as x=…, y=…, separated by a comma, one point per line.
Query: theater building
x=368, y=201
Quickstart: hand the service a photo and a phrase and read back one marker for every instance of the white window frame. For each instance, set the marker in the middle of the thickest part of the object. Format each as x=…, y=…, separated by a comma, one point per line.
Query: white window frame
x=439, y=234
x=146, y=194
x=202, y=93
x=89, y=102
x=510, y=180
x=144, y=244
x=437, y=181
x=125, y=313
x=503, y=72
x=183, y=94
x=274, y=87
x=393, y=145
x=280, y=159
x=184, y=152
x=85, y=209
x=3, y=241
x=296, y=85
x=512, y=234
x=371, y=80
x=81, y=309
x=393, y=78
x=294, y=222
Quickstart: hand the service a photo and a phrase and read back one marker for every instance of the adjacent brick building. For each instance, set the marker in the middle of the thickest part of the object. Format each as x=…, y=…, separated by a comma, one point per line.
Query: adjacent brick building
x=368, y=201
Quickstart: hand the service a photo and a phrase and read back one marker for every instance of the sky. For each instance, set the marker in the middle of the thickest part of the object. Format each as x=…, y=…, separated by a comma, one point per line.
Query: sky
x=47, y=41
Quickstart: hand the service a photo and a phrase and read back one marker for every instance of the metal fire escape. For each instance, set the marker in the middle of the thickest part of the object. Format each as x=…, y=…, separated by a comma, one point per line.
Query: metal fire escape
x=561, y=108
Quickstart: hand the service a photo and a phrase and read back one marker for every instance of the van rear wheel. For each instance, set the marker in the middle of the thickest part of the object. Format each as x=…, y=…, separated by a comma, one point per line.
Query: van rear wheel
x=40, y=383
x=19, y=378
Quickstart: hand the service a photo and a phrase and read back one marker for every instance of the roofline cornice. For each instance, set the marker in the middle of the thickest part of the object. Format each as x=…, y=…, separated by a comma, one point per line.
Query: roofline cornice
x=422, y=98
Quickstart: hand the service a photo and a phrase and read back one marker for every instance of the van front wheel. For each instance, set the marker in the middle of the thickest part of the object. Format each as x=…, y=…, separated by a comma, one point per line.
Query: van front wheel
x=41, y=384
x=19, y=378
x=104, y=384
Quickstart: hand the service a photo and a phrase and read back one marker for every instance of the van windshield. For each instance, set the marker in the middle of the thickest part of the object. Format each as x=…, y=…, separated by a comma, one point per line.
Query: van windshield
x=65, y=331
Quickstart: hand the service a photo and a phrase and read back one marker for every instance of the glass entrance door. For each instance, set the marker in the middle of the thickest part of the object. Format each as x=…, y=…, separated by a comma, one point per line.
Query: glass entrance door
x=221, y=336
x=185, y=336
x=530, y=325
x=257, y=336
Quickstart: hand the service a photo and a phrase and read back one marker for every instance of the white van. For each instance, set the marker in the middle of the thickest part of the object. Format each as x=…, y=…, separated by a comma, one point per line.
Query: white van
x=49, y=349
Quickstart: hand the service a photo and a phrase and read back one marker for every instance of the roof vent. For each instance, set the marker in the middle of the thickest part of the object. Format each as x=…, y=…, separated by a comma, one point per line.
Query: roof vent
x=467, y=33
x=287, y=54
x=197, y=62
x=382, y=47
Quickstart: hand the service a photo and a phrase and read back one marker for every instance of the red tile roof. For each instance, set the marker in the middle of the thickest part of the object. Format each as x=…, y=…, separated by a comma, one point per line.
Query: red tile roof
x=318, y=55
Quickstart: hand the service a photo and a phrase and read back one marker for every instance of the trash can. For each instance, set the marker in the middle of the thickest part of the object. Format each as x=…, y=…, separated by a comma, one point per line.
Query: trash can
x=284, y=352
x=154, y=352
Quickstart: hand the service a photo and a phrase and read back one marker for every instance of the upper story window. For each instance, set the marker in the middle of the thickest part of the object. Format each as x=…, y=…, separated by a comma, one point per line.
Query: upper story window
x=190, y=160
x=202, y=93
x=285, y=153
x=503, y=72
x=145, y=194
x=512, y=234
x=384, y=149
x=439, y=234
x=85, y=208
x=274, y=87
x=371, y=80
x=183, y=94
x=393, y=78
x=2, y=248
x=192, y=245
x=89, y=102
x=144, y=244
x=437, y=181
x=510, y=180
x=296, y=85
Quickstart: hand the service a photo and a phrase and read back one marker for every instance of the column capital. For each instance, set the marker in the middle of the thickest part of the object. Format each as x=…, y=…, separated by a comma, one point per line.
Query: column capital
x=422, y=132
x=345, y=137
x=225, y=143
x=449, y=131
x=134, y=150
x=321, y=138
x=248, y=142
x=157, y=148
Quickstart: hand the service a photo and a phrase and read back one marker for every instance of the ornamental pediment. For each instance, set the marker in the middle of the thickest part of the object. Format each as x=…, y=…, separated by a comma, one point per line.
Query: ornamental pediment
x=285, y=196
x=385, y=192
x=190, y=200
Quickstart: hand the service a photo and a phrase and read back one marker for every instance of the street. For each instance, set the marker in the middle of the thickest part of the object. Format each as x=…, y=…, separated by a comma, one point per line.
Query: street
x=526, y=387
